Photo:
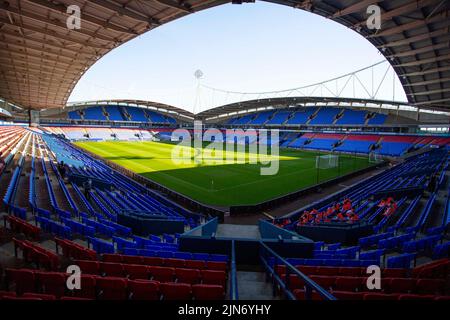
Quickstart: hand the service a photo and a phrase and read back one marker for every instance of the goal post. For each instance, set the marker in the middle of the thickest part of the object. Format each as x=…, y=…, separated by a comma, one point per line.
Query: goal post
x=327, y=161
x=375, y=157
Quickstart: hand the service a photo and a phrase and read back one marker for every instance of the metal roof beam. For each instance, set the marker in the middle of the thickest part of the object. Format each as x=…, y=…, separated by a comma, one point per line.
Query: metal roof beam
x=426, y=71
x=411, y=25
x=408, y=53
x=55, y=23
x=431, y=102
x=54, y=34
x=45, y=51
x=424, y=61
x=43, y=42
x=122, y=10
x=423, y=83
x=182, y=5
x=429, y=92
x=424, y=36
x=62, y=8
x=357, y=7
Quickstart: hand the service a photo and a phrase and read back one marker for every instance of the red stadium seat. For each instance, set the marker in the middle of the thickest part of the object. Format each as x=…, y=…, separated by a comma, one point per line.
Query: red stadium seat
x=162, y=274
x=52, y=283
x=324, y=281
x=348, y=295
x=214, y=277
x=394, y=273
x=112, y=288
x=307, y=270
x=24, y=279
x=88, y=267
x=133, y=259
x=300, y=295
x=136, y=271
x=351, y=272
x=7, y=294
x=143, y=290
x=216, y=265
x=191, y=276
x=381, y=296
x=349, y=283
x=436, y=269
x=442, y=298
x=415, y=297
x=88, y=287
x=195, y=264
x=74, y=299
x=401, y=285
x=112, y=269
x=152, y=261
x=327, y=271
x=294, y=282
x=280, y=269
x=110, y=257
x=208, y=292
x=176, y=291
x=40, y=296
x=22, y=298
x=430, y=286
x=175, y=263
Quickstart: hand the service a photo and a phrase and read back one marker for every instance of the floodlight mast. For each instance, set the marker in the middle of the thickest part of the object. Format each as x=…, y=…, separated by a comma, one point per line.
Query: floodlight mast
x=198, y=74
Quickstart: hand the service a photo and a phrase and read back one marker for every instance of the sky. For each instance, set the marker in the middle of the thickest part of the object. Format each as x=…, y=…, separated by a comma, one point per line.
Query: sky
x=246, y=48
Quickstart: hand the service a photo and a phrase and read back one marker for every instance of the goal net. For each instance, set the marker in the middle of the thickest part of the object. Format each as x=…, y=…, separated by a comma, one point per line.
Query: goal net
x=327, y=161
x=375, y=157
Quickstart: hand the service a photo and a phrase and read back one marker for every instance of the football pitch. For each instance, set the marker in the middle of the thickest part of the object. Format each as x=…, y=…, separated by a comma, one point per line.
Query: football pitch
x=224, y=183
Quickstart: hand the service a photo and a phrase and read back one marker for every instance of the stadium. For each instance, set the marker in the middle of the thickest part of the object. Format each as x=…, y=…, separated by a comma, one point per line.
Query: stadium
x=288, y=197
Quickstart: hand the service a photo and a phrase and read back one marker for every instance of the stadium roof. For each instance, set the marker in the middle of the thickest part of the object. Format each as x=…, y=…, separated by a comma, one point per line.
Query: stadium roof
x=233, y=109
x=161, y=107
x=41, y=60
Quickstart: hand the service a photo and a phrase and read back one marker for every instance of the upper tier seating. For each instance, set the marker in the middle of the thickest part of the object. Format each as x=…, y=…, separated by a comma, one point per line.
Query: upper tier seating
x=352, y=117
x=279, y=118
x=325, y=115
x=262, y=117
x=94, y=113
x=121, y=113
x=74, y=115
x=137, y=114
x=378, y=119
x=301, y=116
x=155, y=117
x=114, y=113
x=244, y=119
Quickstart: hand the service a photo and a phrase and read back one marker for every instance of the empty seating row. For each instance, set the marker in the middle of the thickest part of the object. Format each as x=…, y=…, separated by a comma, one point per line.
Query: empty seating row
x=360, y=284
x=172, y=271
x=353, y=296
x=174, y=254
x=104, y=288
x=36, y=254
x=332, y=262
x=343, y=271
x=74, y=250
x=18, y=225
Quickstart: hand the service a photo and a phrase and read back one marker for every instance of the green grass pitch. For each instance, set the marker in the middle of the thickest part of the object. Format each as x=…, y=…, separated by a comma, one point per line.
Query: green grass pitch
x=223, y=184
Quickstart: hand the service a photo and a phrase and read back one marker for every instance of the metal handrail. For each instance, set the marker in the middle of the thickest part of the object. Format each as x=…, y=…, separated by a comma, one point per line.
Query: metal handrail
x=290, y=269
x=233, y=275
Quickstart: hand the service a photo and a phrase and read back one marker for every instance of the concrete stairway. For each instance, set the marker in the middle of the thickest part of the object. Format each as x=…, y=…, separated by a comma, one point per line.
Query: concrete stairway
x=252, y=285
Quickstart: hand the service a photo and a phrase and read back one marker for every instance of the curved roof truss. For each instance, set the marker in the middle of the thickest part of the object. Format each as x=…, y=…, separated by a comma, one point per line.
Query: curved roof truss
x=41, y=60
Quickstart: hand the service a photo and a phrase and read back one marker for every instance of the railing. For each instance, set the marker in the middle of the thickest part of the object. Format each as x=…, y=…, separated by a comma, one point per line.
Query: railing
x=266, y=253
x=206, y=229
x=233, y=275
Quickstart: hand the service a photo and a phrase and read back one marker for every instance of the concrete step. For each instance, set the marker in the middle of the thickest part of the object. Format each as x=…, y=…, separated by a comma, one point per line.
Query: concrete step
x=253, y=286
